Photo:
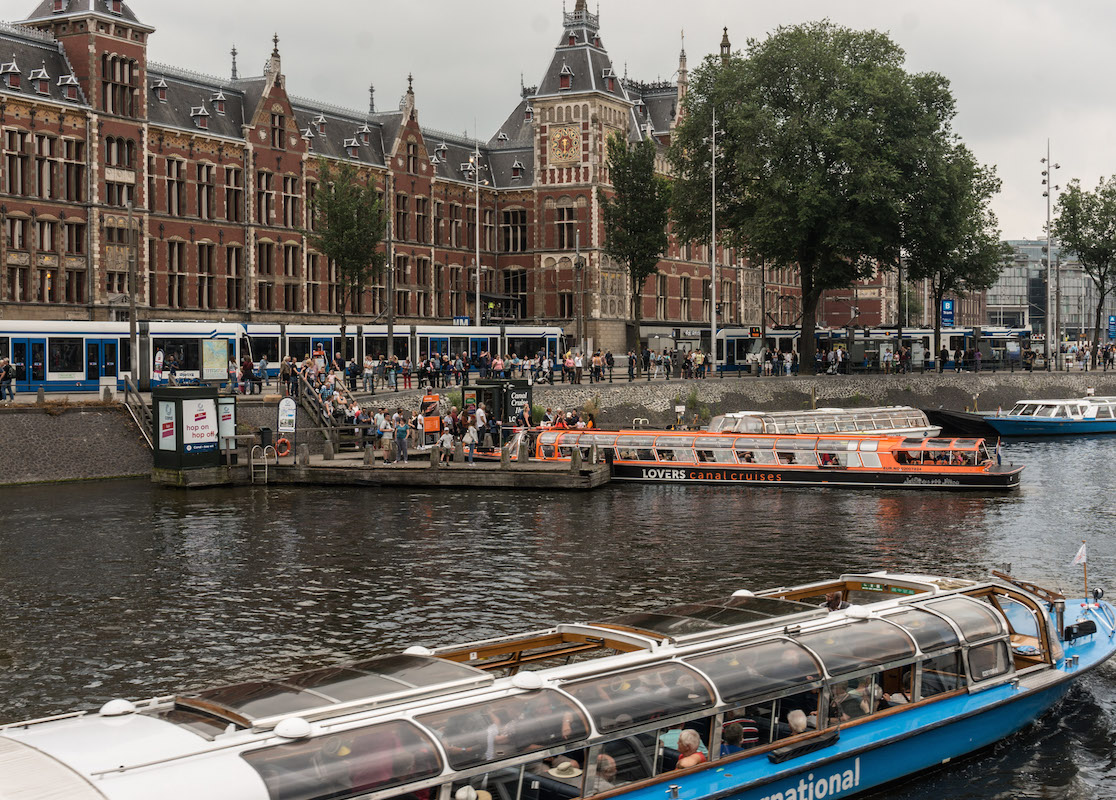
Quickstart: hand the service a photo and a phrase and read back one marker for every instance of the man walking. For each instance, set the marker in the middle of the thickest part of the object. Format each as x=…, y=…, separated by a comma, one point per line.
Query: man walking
x=7, y=375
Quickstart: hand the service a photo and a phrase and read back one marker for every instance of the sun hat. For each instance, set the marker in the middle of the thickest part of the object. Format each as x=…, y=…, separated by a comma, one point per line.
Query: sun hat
x=567, y=769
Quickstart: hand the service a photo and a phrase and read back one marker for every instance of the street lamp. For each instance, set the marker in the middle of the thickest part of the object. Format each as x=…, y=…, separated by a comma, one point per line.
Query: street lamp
x=579, y=266
x=475, y=168
x=713, y=244
x=1047, y=179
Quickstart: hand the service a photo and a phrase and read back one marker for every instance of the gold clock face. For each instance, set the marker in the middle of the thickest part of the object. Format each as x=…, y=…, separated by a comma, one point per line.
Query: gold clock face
x=565, y=144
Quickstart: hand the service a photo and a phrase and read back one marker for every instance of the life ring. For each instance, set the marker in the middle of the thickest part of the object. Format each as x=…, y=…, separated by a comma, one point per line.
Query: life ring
x=283, y=447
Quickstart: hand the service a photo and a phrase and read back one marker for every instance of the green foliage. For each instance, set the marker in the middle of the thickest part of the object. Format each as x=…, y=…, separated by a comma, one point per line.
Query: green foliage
x=349, y=226
x=1086, y=225
x=692, y=399
x=537, y=414
x=952, y=239
x=635, y=214
x=454, y=397
x=824, y=134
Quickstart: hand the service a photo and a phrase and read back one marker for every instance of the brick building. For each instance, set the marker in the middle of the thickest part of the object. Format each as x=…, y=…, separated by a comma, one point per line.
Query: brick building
x=220, y=174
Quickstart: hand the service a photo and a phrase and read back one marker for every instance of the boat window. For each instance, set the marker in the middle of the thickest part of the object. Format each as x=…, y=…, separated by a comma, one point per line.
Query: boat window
x=938, y=444
x=835, y=445
x=1021, y=620
x=713, y=443
x=683, y=455
x=855, y=698
x=912, y=443
x=1061, y=412
x=989, y=660
x=674, y=441
x=720, y=423
x=548, y=437
x=346, y=764
x=507, y=727
x=862, y=644
x=930, y=631
x=966, y=444
x=870, y=459
x=636, y=441
x=942, y=673
x=599, y=439
x=633, y=698
x=1104, y=412
x=698, y=732
x=755, y=456
x=975, y=619
x=868, y=444
x=720, y=455
x=846, y=424
x=201, y=724
x=796, y=444
x=761, y=669
x=749, y=425
x=1045, y=411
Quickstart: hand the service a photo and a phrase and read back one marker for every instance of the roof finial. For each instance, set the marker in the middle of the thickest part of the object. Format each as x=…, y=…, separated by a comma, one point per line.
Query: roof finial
x=579, y=7
x=275, y=43
x=233, y=51
x=410, y=82
x=371, y=98
x=726, y=47
x=683, y=43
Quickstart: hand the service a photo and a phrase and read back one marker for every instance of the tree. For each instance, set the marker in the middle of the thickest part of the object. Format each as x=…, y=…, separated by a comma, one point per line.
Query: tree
x=951, y=237
x=822, y=134
x=1086, y=225
x=635, y=213
x=348, y=230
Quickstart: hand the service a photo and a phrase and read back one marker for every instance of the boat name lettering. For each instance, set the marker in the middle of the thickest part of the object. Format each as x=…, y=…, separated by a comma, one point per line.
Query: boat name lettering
x=917, y=481
x=656, y=474
x=809, y=788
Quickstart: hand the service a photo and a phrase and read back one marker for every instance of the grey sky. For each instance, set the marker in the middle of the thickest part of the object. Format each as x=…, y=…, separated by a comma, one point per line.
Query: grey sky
x=1021, y=70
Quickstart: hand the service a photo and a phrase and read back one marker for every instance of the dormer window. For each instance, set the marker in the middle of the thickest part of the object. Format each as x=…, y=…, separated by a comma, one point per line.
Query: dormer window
x=364, y=133
x=571, y=38
x=40, y=80
x=161, y=90
x=609, y=79
x=565, y=77
x=351, y=146
x=69, y=85
x=219, y=102
x=596, y=41
x=308, y=137
x=319, y=123
x=201, y=117
x=517, y=169
x=60, y=6
x=528, y=113
x=116, y=6
x=503, y=137
x=440, y=151
x=10, y=74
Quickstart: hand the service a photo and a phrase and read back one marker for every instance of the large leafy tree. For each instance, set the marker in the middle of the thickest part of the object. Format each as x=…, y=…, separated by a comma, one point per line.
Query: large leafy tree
x=1086, y=225
x=951, y=238
x=823, y=132
x=349, y=226
x=636, y=213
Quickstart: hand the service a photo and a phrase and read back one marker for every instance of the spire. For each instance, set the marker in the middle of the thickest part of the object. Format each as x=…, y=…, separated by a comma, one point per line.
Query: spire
x=726, y=48
x=371, y=98
x=233, y=52
x=683, y=75
x=581, y=7
x=275, y=45
x=410, y=83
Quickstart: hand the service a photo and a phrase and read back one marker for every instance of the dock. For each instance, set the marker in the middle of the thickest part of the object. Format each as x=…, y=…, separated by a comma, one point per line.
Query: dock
x=350, y=469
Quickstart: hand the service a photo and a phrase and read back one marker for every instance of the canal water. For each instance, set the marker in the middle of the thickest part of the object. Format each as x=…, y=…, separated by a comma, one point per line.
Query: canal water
x=127, y=590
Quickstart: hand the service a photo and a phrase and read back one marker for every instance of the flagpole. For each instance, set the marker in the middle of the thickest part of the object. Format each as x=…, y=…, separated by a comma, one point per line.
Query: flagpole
x=1085, y=565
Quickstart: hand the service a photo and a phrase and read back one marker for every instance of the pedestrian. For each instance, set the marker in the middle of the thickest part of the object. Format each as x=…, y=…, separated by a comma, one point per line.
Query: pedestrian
x=7, y=375
x=368, y=375
x=471, y=438
x=402, y=429
x=263, y=370
x=631, y=366
x=445, y=446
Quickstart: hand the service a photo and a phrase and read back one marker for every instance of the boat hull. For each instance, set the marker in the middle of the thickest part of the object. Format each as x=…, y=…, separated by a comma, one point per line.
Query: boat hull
x=1032, y=426
x=737, y=474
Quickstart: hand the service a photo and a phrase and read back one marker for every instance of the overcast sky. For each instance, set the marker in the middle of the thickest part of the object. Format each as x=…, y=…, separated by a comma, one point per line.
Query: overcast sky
x=1021, y=70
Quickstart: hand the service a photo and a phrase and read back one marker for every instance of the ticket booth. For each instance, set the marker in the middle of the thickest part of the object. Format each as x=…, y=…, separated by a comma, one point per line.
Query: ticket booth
x=505, y=397
x=187, y=427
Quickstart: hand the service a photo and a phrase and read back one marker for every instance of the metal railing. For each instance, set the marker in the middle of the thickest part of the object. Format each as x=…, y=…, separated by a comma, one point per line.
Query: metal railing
x=139, y=411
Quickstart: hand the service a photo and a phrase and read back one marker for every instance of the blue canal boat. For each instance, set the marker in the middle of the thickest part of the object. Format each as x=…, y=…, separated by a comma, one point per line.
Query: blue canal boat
x=811, y=692
x=1087, y=415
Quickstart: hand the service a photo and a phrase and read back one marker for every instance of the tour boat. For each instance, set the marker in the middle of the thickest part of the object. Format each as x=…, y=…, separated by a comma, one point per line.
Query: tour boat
x=758, y=696
x=882, y=420
x=831, y=460
x=1056, y=417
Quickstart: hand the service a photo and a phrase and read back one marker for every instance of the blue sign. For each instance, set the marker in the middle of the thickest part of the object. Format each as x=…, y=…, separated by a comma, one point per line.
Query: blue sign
x=1112, y=326
x=947, y=313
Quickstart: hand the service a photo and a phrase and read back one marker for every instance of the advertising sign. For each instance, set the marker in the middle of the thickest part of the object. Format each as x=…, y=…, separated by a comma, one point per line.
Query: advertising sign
x=199, y=426
x=947, y=313
x=519, y=399
x=469, y=400
x=1112, y=326
x=158, y=364
x=215, y=360
x=431, y=422
x=287, y=414
x=226, y=423
x=166, y=430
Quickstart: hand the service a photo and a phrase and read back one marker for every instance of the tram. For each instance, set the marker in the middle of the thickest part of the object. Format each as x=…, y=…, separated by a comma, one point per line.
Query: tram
x=790, y=460
x=825, y=689
x=67, y=356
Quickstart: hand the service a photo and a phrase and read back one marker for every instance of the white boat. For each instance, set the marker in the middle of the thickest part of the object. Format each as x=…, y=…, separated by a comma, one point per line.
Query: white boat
x=898, y=420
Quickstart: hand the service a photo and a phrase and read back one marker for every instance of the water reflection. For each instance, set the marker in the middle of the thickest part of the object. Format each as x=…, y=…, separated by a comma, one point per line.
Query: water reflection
x=128, y=590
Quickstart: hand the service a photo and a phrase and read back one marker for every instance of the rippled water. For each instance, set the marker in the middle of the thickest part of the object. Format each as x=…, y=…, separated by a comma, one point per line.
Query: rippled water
x=124, y=589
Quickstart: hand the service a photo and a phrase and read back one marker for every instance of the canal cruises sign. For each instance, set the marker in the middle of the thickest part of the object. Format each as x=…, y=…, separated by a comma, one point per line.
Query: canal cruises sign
x=816, y=691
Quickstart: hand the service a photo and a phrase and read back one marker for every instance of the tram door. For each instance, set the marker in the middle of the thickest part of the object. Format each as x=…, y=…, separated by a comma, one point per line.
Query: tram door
x=29, y=360
x=101, y=361
x=439, y=346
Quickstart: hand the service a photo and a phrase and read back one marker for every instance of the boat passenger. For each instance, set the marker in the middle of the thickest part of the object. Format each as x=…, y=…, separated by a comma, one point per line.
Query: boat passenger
x=690, y=750
x=797, y=721
x=834, y=602
x=606, y=774
x=732, y=737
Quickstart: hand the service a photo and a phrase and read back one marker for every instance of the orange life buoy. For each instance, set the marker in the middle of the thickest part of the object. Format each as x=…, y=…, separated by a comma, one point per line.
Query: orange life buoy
x=283, y=447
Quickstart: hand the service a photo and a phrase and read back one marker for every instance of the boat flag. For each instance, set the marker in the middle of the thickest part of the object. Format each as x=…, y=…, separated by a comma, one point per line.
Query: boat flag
x=1080, y=557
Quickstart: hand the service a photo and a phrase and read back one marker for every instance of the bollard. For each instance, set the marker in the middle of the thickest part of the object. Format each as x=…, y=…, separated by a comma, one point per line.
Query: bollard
x=594, y=455
x=369, y=455
x=327, y=451
x=40, y=397
x=524, y=451
x=303, y=456
x=505, y=456
x=487, y=443
x=458, y=452
x=575, y=461
x=435, y=457
x=107, y=396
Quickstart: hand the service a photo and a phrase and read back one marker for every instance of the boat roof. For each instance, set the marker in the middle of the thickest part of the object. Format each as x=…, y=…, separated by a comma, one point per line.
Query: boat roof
x=787, y=441
x=1075, y=401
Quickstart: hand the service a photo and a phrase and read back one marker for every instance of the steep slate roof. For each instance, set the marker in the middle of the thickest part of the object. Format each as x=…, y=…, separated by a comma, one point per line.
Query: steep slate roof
x=32, y=51
x=342, y=126
x=655, y=103
x=45, y=10
x=587, y=60
x=516, y=127
x=189, y=90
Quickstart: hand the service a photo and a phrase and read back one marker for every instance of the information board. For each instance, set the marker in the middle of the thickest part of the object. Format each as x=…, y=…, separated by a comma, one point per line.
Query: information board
x=947, y=313
x=199, y=426
x=167, y=425
x=431, y=421
x=1112, y=326
x=288, y=413
x=215, y=360
x=158, y=364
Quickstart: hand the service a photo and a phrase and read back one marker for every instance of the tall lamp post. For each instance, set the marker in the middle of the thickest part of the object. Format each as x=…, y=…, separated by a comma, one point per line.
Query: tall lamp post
x=579, y=267
x=133, y=339
x=475, y=167
x=1047, y=181
x=713, y=246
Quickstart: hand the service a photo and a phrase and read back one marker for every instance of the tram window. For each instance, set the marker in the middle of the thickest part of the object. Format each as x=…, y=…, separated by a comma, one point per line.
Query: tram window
x=186, y=352
x=299, y=347
x=260, y=346
x=124, y=355
x=65, y=355
x=346, y=764
x=4, y=351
